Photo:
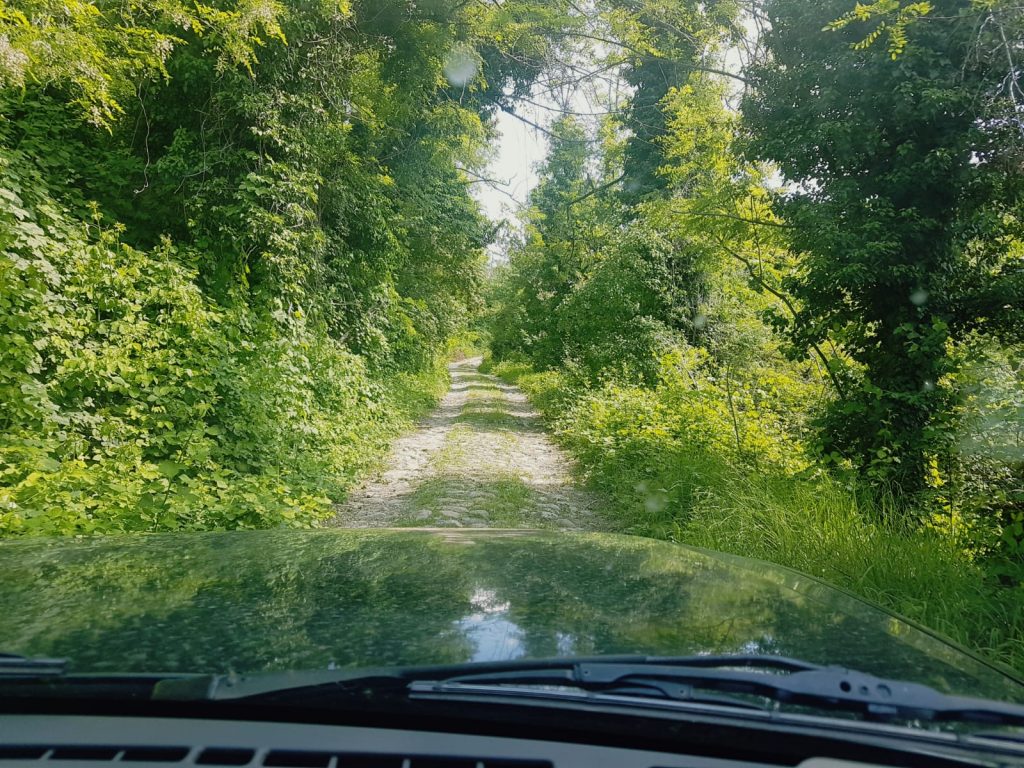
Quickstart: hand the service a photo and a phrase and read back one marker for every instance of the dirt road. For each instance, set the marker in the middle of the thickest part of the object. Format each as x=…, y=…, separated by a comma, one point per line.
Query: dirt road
x=481, y=460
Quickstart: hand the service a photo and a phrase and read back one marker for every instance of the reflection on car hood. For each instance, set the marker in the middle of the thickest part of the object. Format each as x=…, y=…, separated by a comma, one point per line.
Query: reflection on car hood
x=272, y=600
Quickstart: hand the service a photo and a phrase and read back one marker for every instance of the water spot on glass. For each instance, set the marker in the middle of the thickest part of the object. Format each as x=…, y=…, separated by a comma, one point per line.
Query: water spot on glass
x=487, y=601
x=928, y=386
x=566, y=644
x=700, y=321
x=919, y=297
x=655, y=502
x=460, y=66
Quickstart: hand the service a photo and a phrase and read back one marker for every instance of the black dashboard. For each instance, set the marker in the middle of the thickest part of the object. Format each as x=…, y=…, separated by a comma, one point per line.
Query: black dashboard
x=63, y=741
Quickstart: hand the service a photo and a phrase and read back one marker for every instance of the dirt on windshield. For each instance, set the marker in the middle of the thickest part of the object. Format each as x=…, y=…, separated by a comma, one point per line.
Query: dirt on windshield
x=482, y=459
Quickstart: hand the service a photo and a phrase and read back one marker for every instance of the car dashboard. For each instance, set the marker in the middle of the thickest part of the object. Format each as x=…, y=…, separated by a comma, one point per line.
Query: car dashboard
x=48, y=741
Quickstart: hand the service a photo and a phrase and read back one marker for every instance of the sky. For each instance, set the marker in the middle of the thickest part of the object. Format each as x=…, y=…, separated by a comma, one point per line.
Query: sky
x=518, y=150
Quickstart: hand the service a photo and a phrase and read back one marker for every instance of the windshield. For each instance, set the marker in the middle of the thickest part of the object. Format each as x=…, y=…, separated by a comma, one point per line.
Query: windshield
x=725, y=299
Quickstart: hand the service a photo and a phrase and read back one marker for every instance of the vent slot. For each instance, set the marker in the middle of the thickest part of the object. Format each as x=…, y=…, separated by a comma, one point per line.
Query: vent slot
x=225, y=756
x=370, y=761
x=424, y=761
x=23, y=753
x=240, y=756
x=154, y=754
x=281, y=758
x=84, y=753
x=101, y=753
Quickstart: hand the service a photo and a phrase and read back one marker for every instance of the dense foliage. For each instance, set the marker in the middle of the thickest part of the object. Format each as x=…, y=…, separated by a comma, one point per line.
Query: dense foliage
x=236, y=239
x=769, y=289
x=665, y=458
x=780, y=314
x=907, y=198
x=836, y=264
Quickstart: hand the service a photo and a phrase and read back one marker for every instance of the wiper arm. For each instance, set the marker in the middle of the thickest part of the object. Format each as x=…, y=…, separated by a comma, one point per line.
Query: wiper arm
x=682, y=679
x=800, y=684
x=319, y=686
x=12, y=665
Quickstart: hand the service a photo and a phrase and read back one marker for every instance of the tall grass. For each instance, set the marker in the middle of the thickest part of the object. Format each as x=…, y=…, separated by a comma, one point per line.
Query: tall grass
x=818, y=527
x=671, y=488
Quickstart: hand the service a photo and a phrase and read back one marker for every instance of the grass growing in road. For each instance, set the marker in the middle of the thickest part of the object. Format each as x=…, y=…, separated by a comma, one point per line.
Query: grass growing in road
x=492, y=470
x=486, y=407
x=502, y=501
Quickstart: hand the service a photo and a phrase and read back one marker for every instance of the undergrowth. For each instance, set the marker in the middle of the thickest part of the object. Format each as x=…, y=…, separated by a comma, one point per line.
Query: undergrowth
x=635, y=449
x=130, y=400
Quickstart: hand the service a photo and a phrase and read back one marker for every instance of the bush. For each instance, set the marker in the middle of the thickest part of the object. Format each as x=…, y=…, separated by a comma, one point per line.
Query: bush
x=468, y=343
x=665, y=458
x=131, y=402
x=818, y=527
x=612, y=320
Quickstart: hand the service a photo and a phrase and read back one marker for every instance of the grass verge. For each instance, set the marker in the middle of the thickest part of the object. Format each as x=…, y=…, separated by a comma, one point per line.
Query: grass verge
x=664, y=487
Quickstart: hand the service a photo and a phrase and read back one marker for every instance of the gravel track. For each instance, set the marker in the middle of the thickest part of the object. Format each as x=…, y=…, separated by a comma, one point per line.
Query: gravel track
x=481, y=460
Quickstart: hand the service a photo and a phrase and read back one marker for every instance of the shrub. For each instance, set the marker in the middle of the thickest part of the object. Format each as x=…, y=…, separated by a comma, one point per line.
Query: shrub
x=665, y=459
x=131, y=402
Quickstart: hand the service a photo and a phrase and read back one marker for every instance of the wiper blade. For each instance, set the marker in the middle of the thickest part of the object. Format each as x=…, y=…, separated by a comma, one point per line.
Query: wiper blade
x=12, y=665
x=794, y=682
x=681, y=679
x=321, y=687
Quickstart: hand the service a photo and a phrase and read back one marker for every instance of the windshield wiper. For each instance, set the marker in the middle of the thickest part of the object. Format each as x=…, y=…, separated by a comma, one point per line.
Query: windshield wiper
x=792, y=682
x=694, y=679
x=690, y=679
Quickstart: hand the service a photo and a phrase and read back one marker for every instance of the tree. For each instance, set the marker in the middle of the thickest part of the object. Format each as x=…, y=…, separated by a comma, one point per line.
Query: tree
x=553, y=257
x=228, y=227
x=664, y=42
x=902, y=196
x=97, y=53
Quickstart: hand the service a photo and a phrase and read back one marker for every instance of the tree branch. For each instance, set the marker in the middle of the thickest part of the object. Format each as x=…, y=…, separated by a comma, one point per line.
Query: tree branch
x=541, y=128
x=595, y=190
x=759, y=222
x=639, y=52
x=790, y=307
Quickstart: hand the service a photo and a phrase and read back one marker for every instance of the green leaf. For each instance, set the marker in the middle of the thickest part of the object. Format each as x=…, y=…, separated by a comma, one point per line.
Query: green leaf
x=170, y=469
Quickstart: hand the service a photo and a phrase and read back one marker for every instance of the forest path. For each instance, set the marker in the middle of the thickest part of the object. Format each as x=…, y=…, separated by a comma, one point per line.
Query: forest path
x=482, y=460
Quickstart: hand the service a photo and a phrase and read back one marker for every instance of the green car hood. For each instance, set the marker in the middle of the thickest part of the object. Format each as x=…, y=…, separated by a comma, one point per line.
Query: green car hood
x=275, y=600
